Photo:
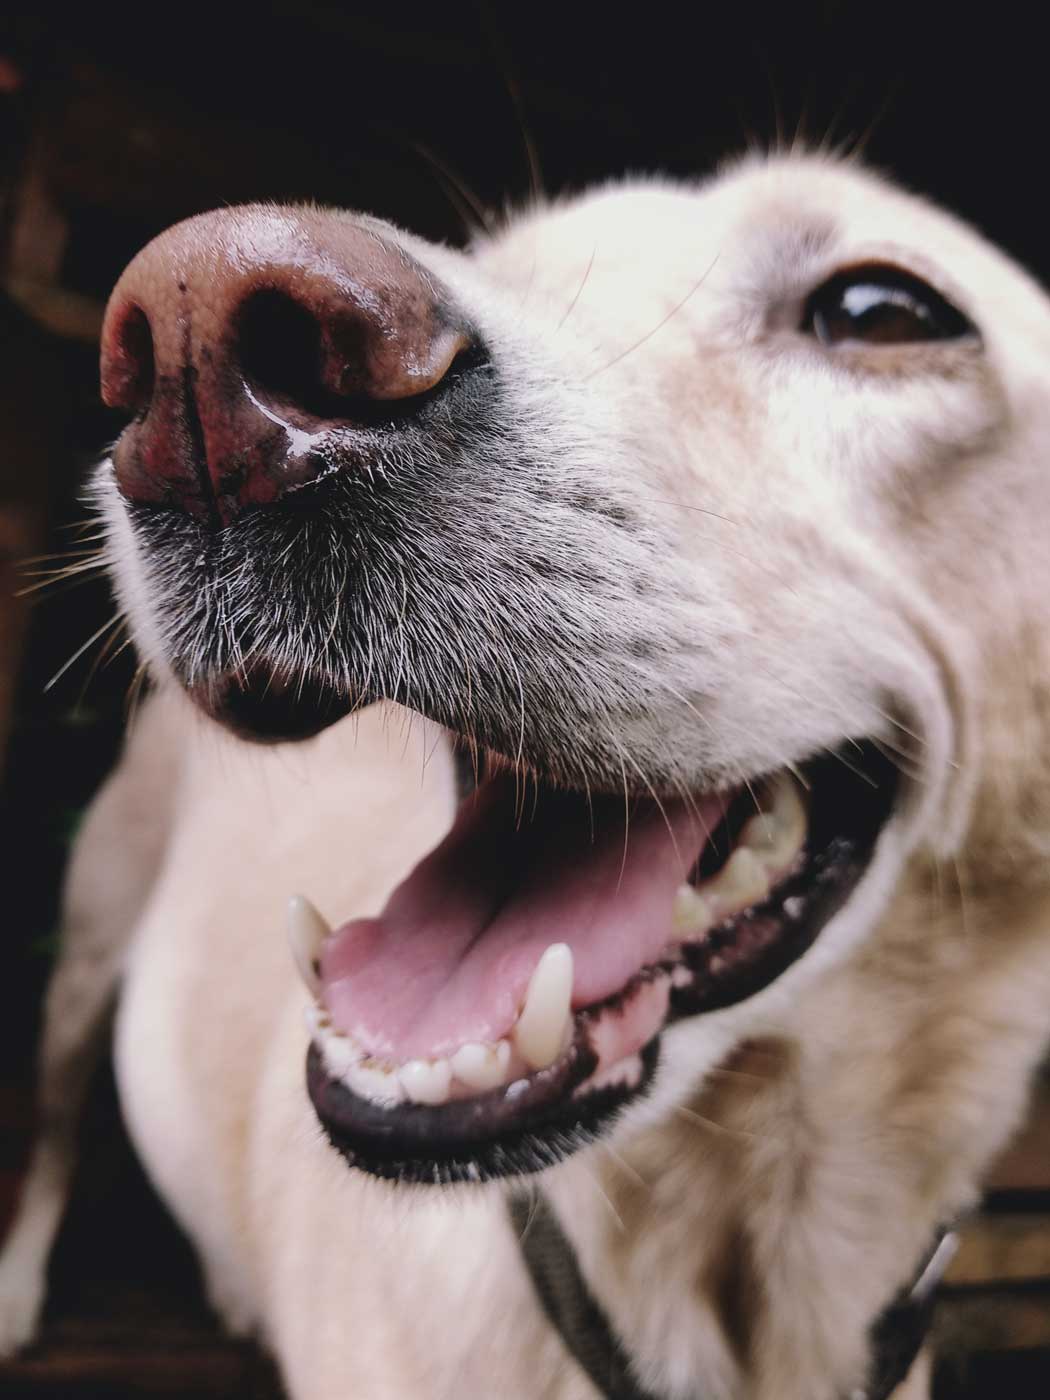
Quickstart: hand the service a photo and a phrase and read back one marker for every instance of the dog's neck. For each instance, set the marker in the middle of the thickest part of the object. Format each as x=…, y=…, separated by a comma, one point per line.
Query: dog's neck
x=753, y=1239
x=895, y=1336
x=697, y=1242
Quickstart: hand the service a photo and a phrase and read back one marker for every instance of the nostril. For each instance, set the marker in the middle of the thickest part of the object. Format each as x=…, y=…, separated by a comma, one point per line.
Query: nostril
x=129, y=369
x=343, y=365
x=306, y=368
x=281, y=352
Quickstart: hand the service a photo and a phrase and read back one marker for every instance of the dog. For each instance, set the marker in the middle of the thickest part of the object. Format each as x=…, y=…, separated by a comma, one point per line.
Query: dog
x=642, y=620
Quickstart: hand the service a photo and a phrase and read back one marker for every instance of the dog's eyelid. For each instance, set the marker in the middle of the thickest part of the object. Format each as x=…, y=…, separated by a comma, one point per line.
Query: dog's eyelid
x=882, y=303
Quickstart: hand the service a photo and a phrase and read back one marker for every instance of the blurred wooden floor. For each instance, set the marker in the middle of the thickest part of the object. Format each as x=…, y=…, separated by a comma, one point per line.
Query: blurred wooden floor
x=125, y=1316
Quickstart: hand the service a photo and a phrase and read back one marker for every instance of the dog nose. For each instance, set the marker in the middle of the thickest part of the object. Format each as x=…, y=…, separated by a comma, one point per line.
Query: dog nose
x=260, y=349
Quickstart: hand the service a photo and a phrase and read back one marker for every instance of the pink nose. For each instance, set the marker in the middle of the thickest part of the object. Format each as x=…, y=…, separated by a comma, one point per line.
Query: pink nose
x=261, y=348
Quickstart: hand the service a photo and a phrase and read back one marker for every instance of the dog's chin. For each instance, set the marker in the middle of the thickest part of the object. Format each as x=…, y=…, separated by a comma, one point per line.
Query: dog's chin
x=507, y=1006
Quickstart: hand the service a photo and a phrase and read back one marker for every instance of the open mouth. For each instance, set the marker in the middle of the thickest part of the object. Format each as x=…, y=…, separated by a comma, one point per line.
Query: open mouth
x=509, y=1000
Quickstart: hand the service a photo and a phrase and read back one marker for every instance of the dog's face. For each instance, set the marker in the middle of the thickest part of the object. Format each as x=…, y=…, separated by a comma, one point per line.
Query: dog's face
x=674, y=506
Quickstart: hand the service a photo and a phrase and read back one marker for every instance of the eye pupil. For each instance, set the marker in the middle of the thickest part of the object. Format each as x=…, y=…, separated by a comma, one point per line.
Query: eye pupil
x=881, y=306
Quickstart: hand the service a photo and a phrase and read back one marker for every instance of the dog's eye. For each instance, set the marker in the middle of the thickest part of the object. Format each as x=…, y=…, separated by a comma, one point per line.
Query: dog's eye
x=880, y=305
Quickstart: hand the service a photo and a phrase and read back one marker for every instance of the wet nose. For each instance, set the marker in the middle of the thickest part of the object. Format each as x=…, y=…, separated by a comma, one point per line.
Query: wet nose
x=260, y=349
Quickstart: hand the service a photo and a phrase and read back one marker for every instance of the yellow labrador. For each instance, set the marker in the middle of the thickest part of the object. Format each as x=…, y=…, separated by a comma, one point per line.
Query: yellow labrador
x=658, y=594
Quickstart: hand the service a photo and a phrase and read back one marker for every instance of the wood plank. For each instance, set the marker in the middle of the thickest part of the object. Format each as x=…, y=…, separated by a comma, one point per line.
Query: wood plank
x=984, y=1321
x=1002, y=1249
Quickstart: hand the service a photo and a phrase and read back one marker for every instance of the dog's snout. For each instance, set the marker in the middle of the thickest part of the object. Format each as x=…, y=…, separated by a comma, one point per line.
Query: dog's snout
x=245, y=341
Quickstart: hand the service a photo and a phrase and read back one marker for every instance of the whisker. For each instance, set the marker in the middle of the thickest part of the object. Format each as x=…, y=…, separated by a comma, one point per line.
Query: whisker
x=699, y=1120
x=626, y=818
x=105, y=653
x=852, y=767
x=625, y=1166
x=700, y=510
x=58, y=586
x=111, y=622
x=93, y=562
x=656, y=798
x=510, y=82
x=579, y=290
x=533, y=1212
x=658, y=327
x=721, y=1072
x=459, y=194
x=593, y=1178
x=73, y=552
x=800, y=777
x=135, y=689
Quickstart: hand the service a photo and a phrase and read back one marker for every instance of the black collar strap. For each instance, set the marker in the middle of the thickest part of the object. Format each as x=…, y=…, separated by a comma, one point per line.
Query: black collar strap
x=896, y=1335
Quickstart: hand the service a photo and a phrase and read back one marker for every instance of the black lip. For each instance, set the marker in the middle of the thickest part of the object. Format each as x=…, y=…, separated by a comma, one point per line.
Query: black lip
x=260, y=703
x=494, y=1135
x=542, y=1121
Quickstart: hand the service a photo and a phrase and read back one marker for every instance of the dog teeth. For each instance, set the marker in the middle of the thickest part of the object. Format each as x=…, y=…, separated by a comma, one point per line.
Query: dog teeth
x=480, y=1066
x=777, y=833
x=307, y=930
x=318, y=1022
x=692, y=914
x=545, y=1022
x=339, y=1054
x=741, y=882
x=426, y=1081
x=767, y=846
x=380, y=1086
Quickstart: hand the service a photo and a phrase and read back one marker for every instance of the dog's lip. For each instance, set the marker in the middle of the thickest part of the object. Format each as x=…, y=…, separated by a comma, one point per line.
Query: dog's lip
x=262, y=703
x=521, y=1127
x=573, y=1097
x=496, y=1135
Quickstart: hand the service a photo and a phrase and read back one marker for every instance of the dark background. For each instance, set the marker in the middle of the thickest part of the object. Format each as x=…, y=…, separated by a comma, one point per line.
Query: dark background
x=116, y=122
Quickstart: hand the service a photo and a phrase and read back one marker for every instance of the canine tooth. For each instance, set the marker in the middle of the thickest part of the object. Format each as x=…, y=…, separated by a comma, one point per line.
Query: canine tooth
x=426, y=1081
x=307, y=930
x=692, y=913
x=777, y=834
x=760, y=834
x=789, y=812
x=481, y=1066
x=544, y=1023
x=786, y=804
x=740, y=882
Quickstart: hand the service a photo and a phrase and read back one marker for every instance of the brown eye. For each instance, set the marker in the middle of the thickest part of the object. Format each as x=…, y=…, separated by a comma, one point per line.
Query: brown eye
x=877, y=305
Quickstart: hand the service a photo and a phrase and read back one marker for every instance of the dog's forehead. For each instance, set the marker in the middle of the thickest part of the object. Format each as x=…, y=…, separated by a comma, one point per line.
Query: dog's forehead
x=760, y=229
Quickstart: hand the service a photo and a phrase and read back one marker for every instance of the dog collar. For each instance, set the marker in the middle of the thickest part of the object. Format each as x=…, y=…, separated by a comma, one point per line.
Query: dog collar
x=895, y=1336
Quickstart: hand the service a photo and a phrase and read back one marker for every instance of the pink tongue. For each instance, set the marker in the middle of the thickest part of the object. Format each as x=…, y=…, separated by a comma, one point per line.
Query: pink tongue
x=450, y=957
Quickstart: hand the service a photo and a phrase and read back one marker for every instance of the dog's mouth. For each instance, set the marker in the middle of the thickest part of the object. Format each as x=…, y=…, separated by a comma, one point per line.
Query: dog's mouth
x=509, y=1000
